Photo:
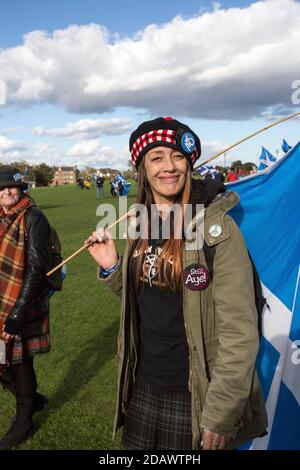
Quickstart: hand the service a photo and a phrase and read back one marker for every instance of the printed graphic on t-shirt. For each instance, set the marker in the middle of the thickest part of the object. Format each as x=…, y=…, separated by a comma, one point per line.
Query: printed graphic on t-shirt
x=151, y=264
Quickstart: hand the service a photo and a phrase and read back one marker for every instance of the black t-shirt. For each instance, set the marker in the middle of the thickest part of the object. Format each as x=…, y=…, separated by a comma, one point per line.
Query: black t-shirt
x=163, y=345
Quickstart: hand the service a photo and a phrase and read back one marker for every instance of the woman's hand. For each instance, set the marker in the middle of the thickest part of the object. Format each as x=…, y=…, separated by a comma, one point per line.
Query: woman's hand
x=103, y=248
x=5, y=335
x=213, y=441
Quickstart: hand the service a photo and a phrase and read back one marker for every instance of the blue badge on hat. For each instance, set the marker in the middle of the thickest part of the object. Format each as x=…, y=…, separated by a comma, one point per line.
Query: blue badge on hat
x=17, y=177
x=187, y=142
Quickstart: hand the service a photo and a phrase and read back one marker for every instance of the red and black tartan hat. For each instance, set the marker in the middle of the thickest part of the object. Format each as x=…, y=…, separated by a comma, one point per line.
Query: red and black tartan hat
x=164, y=132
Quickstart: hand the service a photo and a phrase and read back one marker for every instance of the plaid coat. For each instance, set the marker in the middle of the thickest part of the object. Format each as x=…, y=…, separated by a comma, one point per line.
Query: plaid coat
x=31, y=310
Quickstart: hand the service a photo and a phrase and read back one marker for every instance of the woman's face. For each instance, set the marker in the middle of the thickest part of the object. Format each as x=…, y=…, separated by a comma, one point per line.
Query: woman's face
x=9, y=197
x=166, y=171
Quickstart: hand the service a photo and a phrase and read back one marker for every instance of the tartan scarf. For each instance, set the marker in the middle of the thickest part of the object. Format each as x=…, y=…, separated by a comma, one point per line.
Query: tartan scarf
x=12, y=256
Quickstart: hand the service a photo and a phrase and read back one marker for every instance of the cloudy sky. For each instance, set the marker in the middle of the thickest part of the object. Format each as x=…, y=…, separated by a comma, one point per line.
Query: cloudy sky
x=77, y=76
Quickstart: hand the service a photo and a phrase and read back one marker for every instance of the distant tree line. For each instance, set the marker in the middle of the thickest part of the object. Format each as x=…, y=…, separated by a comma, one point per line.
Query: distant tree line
x=246, y=167
x=237, y=165
x=43, y=174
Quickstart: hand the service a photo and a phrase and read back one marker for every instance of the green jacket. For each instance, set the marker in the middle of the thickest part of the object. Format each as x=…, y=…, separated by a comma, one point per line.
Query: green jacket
x=222, y=335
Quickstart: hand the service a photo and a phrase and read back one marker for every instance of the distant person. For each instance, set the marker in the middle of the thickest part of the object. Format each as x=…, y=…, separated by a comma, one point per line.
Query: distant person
x=80, y=184
x=87, y=183
x=219, y=176
x=99, y=180
x=232, y=176
x=121, y=188
x=24, y=301
x=208, y=176
x=113, y=188
x=24, y=180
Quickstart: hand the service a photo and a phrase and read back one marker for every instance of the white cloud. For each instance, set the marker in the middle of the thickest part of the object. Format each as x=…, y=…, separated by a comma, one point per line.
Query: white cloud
x=88, y=128
x=2, y=93
x=85, y=153
x=11, y=150
x=227, y=64
x=8, y=145
x=93, y=153
x=42, y=152
x=10, y=130
x=216, y=6
x=211, y=148
x=89, y=152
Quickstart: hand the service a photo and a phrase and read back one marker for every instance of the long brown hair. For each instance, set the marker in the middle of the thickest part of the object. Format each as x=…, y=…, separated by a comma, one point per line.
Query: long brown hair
x=172, y=248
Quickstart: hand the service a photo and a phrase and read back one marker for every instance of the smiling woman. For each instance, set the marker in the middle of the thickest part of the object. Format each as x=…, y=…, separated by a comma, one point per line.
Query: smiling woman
x=187, y=342
x=166, y=171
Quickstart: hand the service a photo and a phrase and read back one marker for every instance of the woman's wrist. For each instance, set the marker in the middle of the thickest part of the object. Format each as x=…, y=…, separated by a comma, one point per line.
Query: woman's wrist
x=106, y=272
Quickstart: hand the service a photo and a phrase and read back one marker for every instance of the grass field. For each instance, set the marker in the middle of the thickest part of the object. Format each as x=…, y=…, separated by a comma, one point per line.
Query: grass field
x=79, y=374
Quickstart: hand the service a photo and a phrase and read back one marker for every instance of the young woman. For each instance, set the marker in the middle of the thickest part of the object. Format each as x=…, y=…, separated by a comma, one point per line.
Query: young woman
x=24, y=301
x=187, y=343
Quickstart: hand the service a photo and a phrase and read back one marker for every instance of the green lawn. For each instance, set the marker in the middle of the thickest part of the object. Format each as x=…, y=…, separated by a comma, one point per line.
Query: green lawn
x=79, y=374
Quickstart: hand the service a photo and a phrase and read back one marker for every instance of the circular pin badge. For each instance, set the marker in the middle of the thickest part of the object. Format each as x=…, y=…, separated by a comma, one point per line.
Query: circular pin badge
x=215, y=230
x=196, y=277
x=17, y=177
x=187, y=142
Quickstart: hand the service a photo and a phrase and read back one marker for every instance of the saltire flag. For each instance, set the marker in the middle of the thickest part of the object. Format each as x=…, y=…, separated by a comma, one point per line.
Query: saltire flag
x=261, y=167
x=266, y=159
x=285, y=146
x=207, y=168
x=268, y=216
x=126, y=184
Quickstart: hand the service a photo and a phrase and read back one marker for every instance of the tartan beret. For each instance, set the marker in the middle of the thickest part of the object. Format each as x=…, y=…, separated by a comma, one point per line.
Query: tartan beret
x=167, y=132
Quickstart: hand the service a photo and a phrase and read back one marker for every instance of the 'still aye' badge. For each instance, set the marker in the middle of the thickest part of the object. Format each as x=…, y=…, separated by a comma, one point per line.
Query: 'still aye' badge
x=196, y=277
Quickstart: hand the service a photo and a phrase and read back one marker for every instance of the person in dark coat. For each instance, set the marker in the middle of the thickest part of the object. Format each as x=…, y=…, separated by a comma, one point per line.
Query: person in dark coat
x=24, y=301
x=219, y=176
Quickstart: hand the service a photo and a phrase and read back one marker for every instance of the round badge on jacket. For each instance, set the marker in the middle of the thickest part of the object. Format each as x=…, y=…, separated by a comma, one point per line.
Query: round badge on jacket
x=196, y=277
x=215, y=230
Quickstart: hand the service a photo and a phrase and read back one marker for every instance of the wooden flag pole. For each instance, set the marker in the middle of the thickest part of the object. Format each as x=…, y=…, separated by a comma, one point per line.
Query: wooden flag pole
x=291, y=116
x=87, y=245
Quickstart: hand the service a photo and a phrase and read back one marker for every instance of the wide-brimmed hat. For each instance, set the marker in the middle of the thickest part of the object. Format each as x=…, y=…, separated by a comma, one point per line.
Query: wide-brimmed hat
x=166, y=132
x=11, y=178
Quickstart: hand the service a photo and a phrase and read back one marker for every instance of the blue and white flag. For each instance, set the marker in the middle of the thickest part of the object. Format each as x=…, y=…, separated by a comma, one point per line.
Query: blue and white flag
x=261, y=167
x=207, y=168
x=268, y=216
x=125, y=184
x=285, y=146
x=266, y=159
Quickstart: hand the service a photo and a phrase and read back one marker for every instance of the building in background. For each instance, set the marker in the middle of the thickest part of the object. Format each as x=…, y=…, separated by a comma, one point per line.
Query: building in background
x=65, y=175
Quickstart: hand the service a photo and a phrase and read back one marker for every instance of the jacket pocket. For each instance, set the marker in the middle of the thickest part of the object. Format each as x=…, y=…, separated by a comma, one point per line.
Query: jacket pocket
x=254, y=414
x=211, y=347
x=37, y=310
x=127, y=385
